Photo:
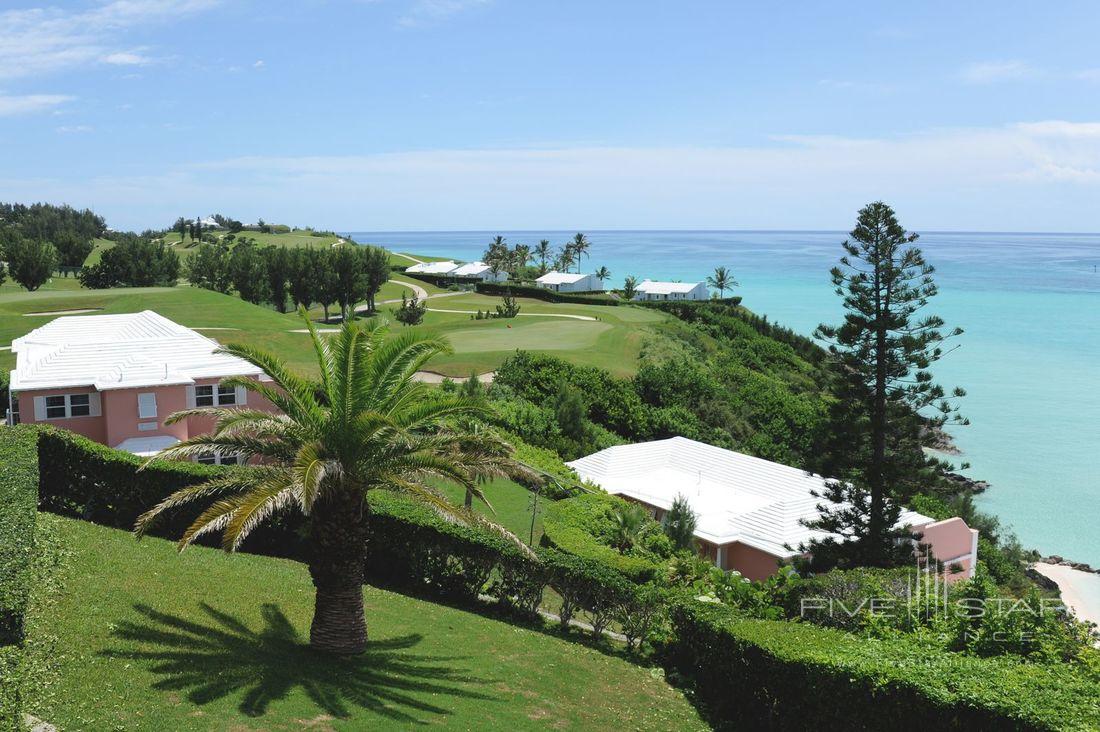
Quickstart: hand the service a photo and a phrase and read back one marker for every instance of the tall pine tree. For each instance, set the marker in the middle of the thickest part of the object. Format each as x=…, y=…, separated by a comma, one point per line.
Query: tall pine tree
x=887, y=401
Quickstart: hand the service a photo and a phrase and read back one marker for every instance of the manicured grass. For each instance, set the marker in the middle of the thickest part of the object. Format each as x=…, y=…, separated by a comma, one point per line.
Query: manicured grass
x=292, y=239
x=512, y=505
x=612, y=341
x=151, y=640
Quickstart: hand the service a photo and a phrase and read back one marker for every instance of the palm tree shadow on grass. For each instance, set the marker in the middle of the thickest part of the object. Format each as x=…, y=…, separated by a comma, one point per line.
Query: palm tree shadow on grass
x=212, y=660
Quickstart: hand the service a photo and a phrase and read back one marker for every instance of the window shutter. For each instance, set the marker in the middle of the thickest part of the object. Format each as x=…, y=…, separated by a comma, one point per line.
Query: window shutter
x=39, y=408
x=95, y=406
x=242, y=396
x=190, y=396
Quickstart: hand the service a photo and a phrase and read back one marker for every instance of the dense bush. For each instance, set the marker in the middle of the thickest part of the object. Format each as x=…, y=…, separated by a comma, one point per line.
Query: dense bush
x=18, y=483
x=755, y=674
x=584, y=526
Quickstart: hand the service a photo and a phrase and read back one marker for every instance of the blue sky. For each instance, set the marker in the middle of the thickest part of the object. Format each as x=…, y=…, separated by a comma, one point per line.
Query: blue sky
x=502, y=114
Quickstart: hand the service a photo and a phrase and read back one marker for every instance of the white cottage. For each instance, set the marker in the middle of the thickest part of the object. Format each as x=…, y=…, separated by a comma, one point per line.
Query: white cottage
x=478, y=272
x=570, y=282
x=651, y=290
x=433, y=268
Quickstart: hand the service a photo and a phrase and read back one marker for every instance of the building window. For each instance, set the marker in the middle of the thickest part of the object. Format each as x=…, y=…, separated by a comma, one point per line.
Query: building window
x=213, y=458
x=208, y=396
x=68, y=405
x=147, y=405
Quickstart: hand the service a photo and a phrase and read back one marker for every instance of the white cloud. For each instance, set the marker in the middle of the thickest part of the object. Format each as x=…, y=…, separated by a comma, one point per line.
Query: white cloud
x=74, y=129
x=126, y=58
x=988, y=72
x=427, y=12
x=1035, y=176
x=259, y=64
x=47, y=39
x=30, y=103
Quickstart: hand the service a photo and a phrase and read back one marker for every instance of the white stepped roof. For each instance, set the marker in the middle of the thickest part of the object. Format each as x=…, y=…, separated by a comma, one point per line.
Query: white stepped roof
x=437, y=268
x=118, y=352
x=560, y=278
x=471, y=269
x=736, y=497
x=652, y=287
x=147, y=446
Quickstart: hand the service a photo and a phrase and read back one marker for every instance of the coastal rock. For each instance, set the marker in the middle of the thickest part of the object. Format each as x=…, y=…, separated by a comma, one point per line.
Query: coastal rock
x=1080, y=566
x=965, y=484
x=1041, y=579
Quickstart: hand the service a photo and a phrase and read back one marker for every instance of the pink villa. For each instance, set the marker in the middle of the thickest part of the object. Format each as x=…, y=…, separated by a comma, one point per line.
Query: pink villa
x=749, y=511
x=116, y=378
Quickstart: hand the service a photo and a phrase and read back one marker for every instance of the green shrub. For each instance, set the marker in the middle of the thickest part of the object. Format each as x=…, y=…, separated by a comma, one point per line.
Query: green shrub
x=18, y=498
x=582, y=526
x=755, y=674
x=11, y=713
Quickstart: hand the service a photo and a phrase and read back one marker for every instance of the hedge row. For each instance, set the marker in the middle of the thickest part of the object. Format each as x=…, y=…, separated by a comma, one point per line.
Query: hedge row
x=90, y=481
x=572, y=526
x=540, y=293
x=18, y=479
x=755, y=674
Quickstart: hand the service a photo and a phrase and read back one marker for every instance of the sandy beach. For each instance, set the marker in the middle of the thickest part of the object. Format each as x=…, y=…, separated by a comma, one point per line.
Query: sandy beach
x=1080, y=590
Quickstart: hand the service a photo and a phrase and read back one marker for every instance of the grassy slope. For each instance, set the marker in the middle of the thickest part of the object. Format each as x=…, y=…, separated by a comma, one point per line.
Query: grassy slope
x=612, y=342
x=148, y=639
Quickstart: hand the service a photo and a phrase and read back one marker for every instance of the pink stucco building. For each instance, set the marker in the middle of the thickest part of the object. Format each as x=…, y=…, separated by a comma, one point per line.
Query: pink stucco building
x=749, y=511
x=116, y=378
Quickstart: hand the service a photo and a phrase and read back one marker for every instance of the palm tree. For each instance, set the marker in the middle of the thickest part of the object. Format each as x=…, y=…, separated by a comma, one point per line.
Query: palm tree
x=722, y=280
x=363, y=425
x=542, y=251
x=629, y=524
x=580, y=245
x=630, y=287
x=565, y=258
x=602, y=274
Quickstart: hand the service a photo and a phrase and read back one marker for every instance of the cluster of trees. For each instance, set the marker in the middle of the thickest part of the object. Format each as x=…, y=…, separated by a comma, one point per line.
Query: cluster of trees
x=69, y=231
x=517, y=260
x=134, y=261
x=342, y=276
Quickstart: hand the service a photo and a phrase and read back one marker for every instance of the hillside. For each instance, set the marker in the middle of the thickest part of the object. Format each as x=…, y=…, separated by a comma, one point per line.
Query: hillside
x=149, y=639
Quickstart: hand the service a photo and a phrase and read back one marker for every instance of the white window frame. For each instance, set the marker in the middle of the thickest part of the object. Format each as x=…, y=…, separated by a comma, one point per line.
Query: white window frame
x=216, y=458
x=145, y=409
x=218, y=395
x=67, y=406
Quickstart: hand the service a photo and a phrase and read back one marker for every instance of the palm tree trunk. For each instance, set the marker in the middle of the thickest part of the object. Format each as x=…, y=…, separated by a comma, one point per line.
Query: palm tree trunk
x=338, y=553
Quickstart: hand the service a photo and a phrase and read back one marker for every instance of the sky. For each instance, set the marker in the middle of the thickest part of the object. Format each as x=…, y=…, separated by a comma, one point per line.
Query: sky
x=395, y=115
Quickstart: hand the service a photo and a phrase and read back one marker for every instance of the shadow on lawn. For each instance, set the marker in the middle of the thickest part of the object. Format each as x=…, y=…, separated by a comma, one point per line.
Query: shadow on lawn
x=223, y=656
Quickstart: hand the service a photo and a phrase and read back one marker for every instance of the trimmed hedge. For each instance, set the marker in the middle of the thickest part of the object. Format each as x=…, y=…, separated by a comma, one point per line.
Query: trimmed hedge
x=540, y=293
x=90, y=481
x=18, y=479
x=572, y=526
x=755, y=674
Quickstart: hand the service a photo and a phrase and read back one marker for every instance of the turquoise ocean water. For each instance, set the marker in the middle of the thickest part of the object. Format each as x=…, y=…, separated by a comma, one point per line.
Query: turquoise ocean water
x=1030, y=358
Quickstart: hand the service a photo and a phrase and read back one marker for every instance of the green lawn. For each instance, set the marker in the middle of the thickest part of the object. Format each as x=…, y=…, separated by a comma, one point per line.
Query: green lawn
x=147, y=639
x=292, y=239
x=512, y=505
x=607, y=337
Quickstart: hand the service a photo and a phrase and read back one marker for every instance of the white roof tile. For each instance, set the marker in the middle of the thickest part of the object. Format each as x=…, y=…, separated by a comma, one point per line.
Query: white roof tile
x=118, y=352
x=560, y=278
x=666, y=288
x=736, y=497
x=471, y=269
x=437, y=268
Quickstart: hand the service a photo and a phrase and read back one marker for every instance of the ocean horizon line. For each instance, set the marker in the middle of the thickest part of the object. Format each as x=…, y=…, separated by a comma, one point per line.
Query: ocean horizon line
x=348, y=232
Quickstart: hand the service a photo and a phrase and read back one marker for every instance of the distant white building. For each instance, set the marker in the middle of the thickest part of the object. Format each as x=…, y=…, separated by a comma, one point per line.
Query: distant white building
x=433, y=268
x=650, y=290
x=209, y=223
x=570, y=282
x=478, y=272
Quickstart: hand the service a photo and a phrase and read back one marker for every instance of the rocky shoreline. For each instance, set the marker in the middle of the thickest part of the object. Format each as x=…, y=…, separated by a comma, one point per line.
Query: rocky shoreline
x=1080, y=566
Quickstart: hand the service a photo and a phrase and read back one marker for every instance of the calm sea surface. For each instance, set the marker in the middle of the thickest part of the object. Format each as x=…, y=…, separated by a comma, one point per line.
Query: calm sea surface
x=1030, y=358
